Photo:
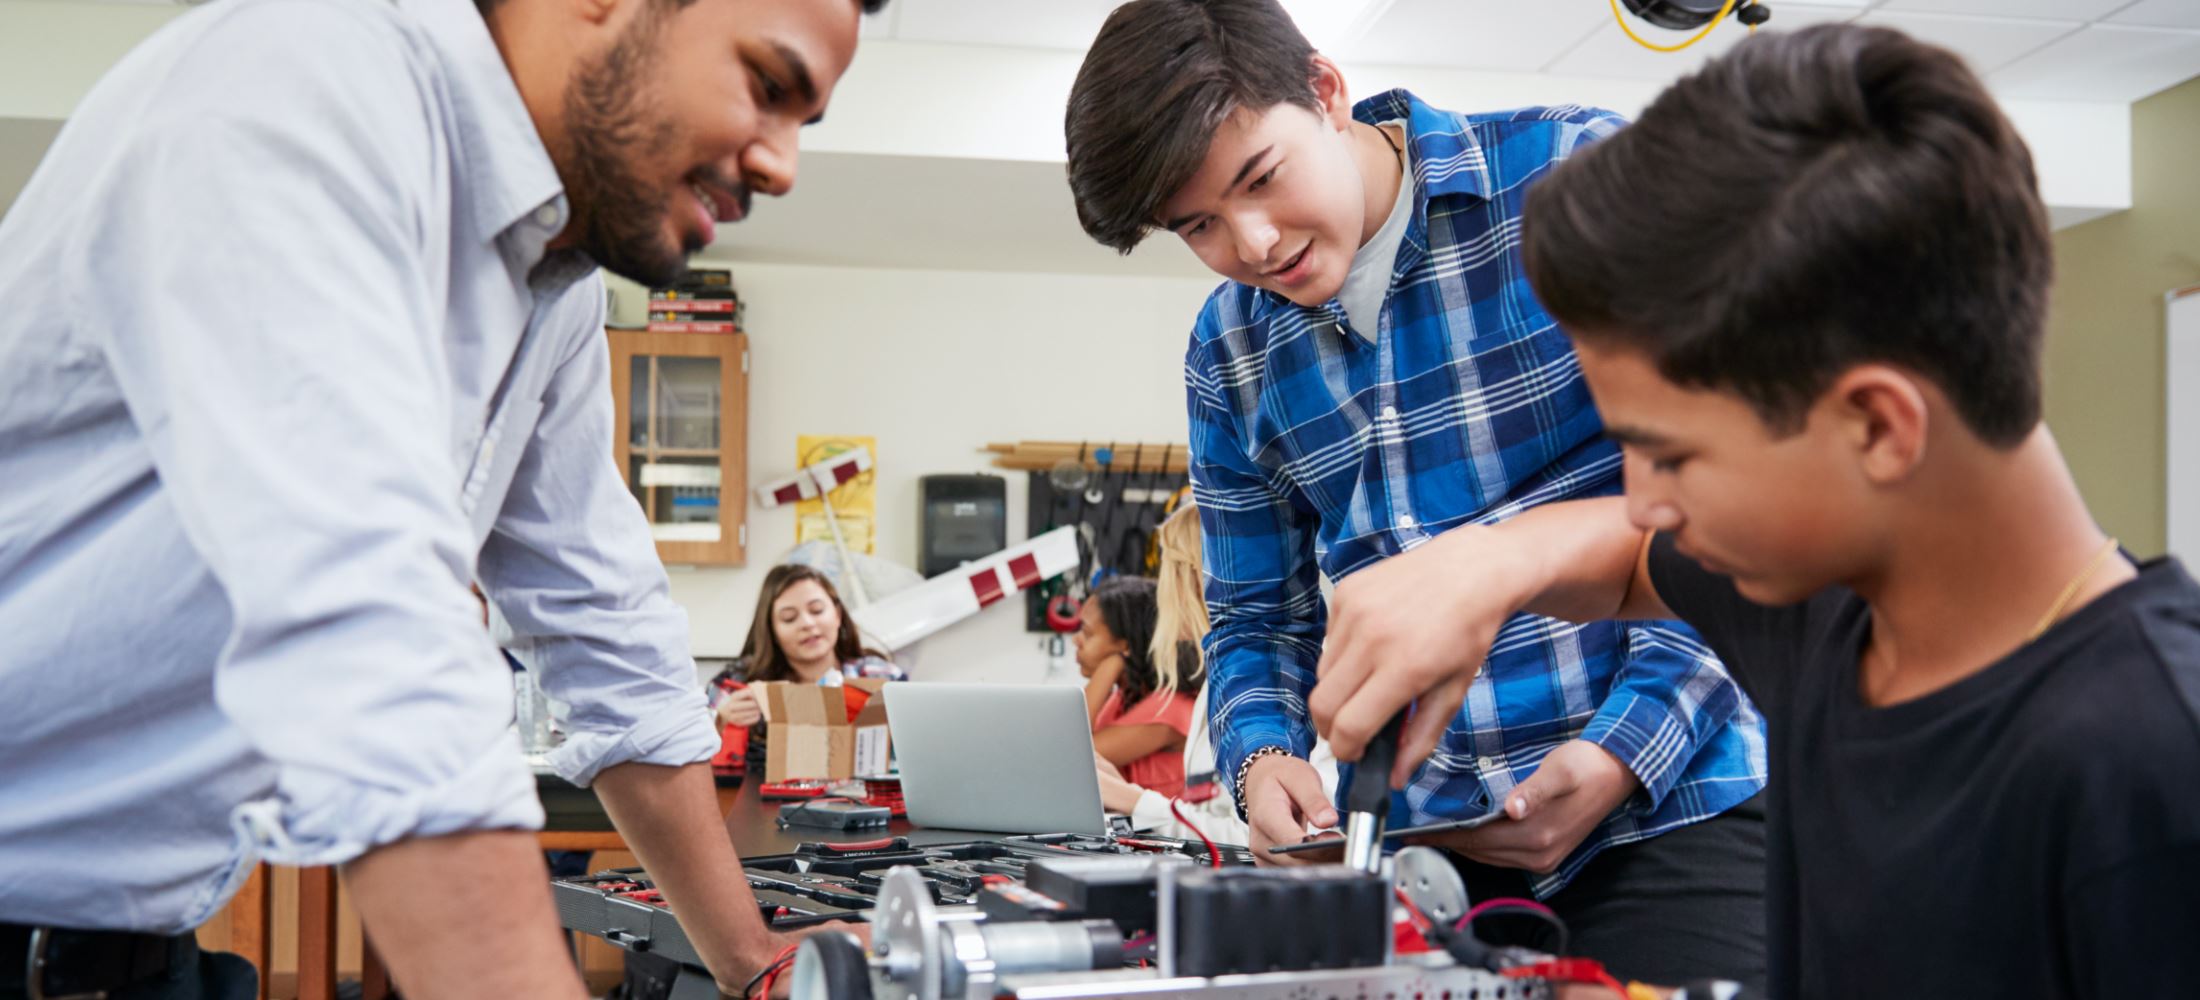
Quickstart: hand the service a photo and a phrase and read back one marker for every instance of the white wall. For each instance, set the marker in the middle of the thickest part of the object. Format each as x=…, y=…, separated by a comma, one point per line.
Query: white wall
x=935, y=364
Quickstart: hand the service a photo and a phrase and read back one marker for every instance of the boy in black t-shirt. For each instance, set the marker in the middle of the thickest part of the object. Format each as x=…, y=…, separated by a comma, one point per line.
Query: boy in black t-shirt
x=1807, y=289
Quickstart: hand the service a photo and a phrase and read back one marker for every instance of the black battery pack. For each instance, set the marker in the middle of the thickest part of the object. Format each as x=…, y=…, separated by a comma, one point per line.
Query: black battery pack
x=1227, y=920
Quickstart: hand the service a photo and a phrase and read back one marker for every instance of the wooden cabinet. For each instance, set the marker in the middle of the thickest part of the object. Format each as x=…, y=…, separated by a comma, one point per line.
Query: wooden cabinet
x=681, y=440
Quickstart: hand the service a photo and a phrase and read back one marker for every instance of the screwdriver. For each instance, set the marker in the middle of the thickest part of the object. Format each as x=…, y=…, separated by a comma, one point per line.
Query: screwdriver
x=1367, y=800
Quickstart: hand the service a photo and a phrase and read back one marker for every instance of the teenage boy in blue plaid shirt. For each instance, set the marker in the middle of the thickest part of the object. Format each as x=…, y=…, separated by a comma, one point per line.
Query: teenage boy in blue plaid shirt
x=1376, y=372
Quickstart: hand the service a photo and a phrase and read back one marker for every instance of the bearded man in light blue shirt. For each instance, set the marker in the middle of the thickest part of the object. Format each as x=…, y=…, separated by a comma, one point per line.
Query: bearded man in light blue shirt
x=303, y=338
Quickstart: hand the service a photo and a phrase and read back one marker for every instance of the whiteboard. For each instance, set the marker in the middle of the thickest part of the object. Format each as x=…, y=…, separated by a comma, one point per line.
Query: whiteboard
x=2183, y=398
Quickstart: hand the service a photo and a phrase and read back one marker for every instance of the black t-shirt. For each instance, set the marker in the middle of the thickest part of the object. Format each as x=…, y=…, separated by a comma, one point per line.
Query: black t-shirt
x=2032, y=830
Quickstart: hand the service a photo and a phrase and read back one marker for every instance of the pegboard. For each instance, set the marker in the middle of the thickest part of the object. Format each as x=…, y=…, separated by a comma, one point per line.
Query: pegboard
x=1121, y=509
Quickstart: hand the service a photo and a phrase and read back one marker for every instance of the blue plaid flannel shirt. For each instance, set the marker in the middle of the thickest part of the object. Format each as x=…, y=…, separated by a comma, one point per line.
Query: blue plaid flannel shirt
x=1315, y=448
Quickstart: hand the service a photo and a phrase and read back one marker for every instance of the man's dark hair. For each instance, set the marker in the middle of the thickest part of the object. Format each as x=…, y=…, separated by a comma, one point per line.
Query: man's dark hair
x=1806, y=203
x=1160, y=79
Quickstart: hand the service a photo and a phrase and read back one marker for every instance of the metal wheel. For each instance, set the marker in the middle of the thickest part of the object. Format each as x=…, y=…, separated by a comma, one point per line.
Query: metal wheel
x=1431, y=883
x=905, y=935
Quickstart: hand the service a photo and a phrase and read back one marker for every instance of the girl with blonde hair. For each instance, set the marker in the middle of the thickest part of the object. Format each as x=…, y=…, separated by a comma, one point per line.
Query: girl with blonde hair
x=1179, y=626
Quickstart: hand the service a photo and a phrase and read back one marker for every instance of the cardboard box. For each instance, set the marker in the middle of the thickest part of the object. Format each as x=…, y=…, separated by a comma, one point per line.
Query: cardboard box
x=811, y=735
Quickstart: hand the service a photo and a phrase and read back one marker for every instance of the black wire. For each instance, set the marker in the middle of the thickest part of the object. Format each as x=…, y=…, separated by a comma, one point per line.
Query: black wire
x=1551, y=920
x=750, y=989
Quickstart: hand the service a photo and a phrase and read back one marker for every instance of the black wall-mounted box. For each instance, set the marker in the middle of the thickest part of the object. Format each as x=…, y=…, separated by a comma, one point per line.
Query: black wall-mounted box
x=961, y=518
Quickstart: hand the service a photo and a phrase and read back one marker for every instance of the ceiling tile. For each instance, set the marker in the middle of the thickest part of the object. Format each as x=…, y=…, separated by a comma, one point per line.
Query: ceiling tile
x=1052, y=24
x=1610, y=53
x=2159, y=14
x=2064, y=10
x=2103, y=63
x=1474, y=34
x=1987, y=43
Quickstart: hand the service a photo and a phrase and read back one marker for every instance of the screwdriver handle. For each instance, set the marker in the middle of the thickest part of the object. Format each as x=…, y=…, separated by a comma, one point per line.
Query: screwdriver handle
x=1370, y=790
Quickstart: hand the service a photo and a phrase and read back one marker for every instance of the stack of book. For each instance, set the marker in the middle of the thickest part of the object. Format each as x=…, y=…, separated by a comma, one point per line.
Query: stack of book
x=702, y=302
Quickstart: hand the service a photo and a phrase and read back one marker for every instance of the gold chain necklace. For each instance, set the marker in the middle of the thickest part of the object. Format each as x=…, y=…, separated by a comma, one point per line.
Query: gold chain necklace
x=2047, y=621
x=2092, y=566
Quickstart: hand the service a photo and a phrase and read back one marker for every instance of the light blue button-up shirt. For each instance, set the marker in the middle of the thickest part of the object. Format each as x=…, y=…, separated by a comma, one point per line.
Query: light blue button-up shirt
x=284, y=367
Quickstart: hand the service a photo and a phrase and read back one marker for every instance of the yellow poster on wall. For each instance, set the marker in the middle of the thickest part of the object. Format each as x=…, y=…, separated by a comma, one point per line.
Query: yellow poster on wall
x=855, y=502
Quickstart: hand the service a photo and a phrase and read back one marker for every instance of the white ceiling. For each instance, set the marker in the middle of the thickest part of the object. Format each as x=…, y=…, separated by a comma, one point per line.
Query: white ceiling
x=2082, y=50
x=899, y=195
x=2071, y=50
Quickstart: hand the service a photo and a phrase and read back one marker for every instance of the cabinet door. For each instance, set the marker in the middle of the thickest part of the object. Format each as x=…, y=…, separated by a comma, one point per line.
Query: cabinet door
x=682, y=439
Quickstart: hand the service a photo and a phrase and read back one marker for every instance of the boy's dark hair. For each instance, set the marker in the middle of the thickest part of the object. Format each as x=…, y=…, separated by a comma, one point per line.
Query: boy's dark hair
x=1161, y=77
x=1809, y=202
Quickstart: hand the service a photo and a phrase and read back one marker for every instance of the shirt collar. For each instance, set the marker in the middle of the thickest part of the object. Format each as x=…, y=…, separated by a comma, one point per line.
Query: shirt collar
x=1446, y=158
x=508, y=179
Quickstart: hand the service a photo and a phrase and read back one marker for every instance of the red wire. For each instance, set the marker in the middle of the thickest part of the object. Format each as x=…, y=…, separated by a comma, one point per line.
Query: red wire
x=1422, y=927
x=1214, y=857
x=771, y=971
x=1568, y=970
x=1420, y=920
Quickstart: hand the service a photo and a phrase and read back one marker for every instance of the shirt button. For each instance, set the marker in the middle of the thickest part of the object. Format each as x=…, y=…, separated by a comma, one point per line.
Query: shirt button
x=1405, y=520
x=1390, y=413
x=546, y=216
x=1484, y=764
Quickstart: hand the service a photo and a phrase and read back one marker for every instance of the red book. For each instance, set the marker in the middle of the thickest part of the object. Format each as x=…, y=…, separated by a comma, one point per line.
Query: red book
x=693, y=327
x=694, y=305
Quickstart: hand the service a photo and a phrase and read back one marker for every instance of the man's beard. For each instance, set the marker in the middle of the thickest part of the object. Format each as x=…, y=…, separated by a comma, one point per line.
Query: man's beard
x=609, y=126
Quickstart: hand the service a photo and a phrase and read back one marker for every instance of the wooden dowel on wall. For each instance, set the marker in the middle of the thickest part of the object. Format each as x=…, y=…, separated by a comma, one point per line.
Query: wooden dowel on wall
x=1129, y=456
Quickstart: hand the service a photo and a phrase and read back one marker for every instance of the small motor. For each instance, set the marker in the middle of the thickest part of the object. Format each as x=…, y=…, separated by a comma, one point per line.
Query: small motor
x=922, y=955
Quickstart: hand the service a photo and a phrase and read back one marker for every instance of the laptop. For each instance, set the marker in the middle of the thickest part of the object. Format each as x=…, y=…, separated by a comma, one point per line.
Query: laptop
x=999, y=758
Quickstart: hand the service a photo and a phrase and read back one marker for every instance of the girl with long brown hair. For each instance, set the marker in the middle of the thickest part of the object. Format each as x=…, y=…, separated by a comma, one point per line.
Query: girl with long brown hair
x=802, y=633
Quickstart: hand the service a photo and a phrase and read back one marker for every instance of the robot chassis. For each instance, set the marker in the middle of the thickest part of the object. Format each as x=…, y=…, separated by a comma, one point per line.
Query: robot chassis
x=1315, y=933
